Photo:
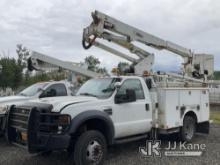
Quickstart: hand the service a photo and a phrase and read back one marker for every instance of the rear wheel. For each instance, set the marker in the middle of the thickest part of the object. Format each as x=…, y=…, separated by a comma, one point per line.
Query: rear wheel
x=90, y=148
x=46, y=153
x=189, y=128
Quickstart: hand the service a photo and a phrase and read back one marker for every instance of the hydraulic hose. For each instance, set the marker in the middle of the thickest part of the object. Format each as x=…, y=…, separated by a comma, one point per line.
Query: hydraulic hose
x=90, y=43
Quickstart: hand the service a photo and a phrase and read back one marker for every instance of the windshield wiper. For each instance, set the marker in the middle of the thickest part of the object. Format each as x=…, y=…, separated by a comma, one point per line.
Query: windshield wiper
x=88, y=94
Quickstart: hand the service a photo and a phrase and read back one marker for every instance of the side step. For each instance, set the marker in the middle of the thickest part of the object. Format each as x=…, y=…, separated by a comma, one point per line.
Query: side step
x=131, y=138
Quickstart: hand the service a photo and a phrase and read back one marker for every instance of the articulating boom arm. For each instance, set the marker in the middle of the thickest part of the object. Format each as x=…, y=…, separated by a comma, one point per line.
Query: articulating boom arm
x=110, y=29
x=41, y=62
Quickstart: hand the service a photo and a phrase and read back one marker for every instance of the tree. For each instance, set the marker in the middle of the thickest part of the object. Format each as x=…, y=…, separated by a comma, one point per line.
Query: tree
x=22, y=53
x=217, y=75
x=122, y=66
x=93, y=64
x=11, y=75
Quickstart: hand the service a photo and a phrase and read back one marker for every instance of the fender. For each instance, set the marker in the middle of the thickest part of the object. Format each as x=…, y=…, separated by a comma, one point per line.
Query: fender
x=93, y=114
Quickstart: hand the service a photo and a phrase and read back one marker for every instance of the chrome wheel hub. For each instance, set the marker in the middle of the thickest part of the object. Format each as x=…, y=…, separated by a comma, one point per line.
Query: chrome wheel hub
x=94, y=152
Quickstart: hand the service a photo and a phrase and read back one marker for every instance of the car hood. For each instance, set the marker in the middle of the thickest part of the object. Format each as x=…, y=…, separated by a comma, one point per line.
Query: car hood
x=11, y=99
x=59, y=102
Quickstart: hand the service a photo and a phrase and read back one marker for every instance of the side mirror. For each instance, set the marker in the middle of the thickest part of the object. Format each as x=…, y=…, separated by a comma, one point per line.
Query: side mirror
x=117, y=85
x=50, y=93
x=40, y=89
x=130, y=96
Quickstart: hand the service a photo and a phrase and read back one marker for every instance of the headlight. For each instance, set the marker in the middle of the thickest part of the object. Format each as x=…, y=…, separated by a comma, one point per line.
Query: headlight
x=64, y=122
x=3, y=109
x=54, y=122
x=64, y=119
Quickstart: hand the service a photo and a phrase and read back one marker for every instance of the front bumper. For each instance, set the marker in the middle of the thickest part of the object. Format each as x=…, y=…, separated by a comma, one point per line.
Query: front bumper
x=34, y=128
x=46, y=142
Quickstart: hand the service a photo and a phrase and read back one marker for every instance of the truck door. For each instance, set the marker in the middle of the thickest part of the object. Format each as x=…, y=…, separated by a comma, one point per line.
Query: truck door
x=132, y=118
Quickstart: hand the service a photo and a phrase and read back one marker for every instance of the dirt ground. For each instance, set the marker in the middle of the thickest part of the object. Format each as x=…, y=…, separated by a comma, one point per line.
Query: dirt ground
x=120, y=154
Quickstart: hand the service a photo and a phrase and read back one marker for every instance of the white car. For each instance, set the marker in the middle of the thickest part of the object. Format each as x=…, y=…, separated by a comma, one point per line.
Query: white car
x=35, y=91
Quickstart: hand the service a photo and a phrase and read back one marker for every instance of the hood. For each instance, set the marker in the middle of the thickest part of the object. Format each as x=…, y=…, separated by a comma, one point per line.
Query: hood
x=11, y=99
x=60, y=102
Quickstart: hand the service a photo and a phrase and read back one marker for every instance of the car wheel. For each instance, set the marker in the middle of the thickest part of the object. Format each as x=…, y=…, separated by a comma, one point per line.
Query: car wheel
x=90, y=148
x=188, y=129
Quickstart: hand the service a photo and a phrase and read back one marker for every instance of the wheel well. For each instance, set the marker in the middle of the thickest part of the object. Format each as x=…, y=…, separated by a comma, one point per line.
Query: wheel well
x=96, y=124
x=192, y=114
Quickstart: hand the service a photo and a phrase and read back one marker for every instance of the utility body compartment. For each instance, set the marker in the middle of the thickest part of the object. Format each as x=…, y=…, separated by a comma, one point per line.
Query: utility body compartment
x=174, y=103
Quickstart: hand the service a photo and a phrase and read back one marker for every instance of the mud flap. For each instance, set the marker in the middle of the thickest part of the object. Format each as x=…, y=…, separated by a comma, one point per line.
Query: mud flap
x=203, y=127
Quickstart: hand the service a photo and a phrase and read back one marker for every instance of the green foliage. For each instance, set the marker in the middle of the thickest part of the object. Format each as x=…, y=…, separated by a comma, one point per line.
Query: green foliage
x=22, y=53
x=217, y=75
x=93, y=64
x=122, y=66
x=11, y=75
x=43, y=77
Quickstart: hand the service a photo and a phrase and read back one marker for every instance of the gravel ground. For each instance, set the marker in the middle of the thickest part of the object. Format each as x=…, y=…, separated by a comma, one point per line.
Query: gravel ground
x=120, y=154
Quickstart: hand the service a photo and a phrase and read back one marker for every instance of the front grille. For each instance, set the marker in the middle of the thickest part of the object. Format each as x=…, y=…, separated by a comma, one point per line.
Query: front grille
x=18, y=118
x=18, y=124
x=28, y=124
x=41, y=121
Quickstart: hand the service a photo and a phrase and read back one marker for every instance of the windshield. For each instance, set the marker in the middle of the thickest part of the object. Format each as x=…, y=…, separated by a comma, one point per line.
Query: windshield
x=101, y=88
x=32, y=90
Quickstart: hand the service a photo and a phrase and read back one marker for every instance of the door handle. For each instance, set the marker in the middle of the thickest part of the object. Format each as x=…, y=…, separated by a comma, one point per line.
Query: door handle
x=108, y=111
x=147, y=107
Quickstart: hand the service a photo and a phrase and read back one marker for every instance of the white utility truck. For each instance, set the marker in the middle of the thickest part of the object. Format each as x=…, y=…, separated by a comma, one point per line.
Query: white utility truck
x=111, y=110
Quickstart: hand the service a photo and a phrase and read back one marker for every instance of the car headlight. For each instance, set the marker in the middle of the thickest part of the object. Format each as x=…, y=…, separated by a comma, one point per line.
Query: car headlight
x=3, y=109
x=64, y=119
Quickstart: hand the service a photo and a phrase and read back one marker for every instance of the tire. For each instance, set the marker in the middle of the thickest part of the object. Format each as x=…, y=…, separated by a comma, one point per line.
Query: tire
x=1, y=127
x=90, y=148
x=46, y=153
x=188, y=129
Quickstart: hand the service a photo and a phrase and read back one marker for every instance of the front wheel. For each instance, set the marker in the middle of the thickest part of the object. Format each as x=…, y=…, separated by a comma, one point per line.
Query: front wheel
x=90, y=148
x=189, y=128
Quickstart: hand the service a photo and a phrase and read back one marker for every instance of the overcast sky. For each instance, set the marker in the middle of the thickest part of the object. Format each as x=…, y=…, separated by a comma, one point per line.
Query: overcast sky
x=54, y=27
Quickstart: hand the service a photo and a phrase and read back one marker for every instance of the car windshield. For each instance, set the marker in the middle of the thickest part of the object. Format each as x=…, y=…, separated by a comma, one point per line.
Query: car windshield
x=101, y=88
x=32, y=90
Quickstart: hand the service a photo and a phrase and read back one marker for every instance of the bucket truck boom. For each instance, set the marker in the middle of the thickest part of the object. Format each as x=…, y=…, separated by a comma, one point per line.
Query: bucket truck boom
x=41, y=62
x=113, y=30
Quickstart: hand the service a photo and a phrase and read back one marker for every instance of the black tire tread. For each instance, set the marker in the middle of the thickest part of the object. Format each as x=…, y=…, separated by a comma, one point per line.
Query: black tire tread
x=83, y=139
x=182, y=133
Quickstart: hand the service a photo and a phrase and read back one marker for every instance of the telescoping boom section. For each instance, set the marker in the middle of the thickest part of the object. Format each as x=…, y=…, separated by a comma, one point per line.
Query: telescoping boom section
x=124, y=35
x=41, y=62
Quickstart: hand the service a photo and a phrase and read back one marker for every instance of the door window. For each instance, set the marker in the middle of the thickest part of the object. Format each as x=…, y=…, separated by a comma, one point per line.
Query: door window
x=59, y=89
x=132, y=84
